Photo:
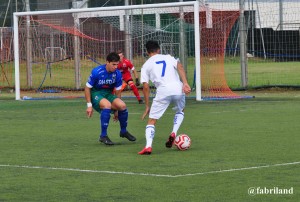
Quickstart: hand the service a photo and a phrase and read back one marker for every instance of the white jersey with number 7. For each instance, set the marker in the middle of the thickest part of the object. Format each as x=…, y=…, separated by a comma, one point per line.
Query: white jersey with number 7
x=161, y=70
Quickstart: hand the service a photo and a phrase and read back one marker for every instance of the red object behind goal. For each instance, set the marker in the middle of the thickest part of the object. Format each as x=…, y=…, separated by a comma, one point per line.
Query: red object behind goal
x=212, y=49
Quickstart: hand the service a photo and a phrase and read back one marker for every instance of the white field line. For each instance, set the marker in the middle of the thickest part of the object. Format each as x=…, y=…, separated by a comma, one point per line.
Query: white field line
x=150, y=174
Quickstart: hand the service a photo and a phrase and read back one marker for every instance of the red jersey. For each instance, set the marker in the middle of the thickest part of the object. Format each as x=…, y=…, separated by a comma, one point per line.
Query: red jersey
x=125, y=65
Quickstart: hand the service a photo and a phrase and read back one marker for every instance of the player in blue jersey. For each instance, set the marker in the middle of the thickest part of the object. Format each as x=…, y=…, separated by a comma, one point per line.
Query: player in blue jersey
x=168, y=76
x=99, y=95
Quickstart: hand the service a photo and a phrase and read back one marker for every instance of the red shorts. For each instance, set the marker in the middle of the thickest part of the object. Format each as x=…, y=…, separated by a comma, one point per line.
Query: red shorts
x=127, y=77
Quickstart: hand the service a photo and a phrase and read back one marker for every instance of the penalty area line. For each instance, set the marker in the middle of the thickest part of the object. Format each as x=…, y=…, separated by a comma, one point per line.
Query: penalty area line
x=151, y=174
x=83, y=170
x=239, y=169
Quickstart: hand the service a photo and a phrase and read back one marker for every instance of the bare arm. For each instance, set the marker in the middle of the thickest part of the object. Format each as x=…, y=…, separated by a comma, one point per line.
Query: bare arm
x=87, y=93
x=135, y=74
x=137, y=82
x=186, y=87
x=146, y=92
x=118, y=93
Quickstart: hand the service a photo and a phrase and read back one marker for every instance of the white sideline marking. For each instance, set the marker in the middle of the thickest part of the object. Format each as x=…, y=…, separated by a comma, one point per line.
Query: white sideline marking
x=238, y=169
x=149, y=174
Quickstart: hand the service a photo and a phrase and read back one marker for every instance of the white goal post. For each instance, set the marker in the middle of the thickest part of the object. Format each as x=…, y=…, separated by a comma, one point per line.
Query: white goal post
x=156, y=8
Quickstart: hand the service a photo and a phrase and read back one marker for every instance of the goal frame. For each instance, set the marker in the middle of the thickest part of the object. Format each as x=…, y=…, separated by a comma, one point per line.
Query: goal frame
x=195, y=5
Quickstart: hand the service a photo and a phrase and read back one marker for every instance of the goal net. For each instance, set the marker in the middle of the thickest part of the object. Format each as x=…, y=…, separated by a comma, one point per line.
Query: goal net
x=55, y=51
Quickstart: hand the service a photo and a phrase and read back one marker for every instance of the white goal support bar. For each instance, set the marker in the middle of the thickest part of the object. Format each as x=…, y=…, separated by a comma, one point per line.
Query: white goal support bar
x=195, y=5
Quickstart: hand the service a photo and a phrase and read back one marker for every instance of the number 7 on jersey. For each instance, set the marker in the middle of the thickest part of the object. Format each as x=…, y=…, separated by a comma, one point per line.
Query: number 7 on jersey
x=164, y=67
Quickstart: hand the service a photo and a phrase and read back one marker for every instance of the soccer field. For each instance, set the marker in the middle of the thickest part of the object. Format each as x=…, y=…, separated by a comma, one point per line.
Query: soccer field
x=242, y=150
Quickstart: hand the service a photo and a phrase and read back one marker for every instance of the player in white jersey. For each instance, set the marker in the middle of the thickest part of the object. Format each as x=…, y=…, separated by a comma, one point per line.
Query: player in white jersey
x=165, y=72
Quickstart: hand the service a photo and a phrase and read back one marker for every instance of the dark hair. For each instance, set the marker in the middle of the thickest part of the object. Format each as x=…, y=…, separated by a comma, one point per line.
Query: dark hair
x=152, y=46
x=119, y=51
x=113, y=57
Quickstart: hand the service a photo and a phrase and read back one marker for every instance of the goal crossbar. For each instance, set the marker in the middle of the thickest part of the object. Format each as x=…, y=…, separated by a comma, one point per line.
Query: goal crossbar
x=195, y=5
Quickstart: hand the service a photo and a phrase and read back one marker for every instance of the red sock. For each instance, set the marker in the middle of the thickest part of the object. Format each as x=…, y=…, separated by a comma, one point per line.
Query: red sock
x=135, y=91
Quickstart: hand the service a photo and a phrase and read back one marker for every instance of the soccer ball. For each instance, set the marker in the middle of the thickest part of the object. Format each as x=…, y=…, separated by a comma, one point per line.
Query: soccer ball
x=183, y=142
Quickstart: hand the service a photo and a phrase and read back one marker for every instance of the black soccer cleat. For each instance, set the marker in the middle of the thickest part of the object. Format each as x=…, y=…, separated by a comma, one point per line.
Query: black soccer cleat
x=141, y=102
x=106, y=140
x=128, y=136
x=171, y=140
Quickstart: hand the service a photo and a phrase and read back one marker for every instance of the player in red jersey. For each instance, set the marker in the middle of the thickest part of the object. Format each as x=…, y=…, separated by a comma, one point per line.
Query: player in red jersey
x=125, y=66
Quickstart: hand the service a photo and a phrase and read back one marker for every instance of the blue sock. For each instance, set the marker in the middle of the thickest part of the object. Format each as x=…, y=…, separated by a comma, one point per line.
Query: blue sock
x=104, y=119
x=123, y=117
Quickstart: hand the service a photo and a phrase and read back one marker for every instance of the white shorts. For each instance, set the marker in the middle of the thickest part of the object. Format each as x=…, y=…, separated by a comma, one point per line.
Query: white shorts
x=159, y=105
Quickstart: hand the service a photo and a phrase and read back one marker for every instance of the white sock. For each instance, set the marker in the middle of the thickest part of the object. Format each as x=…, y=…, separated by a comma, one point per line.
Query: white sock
x=178, y=118
x=150, y=132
